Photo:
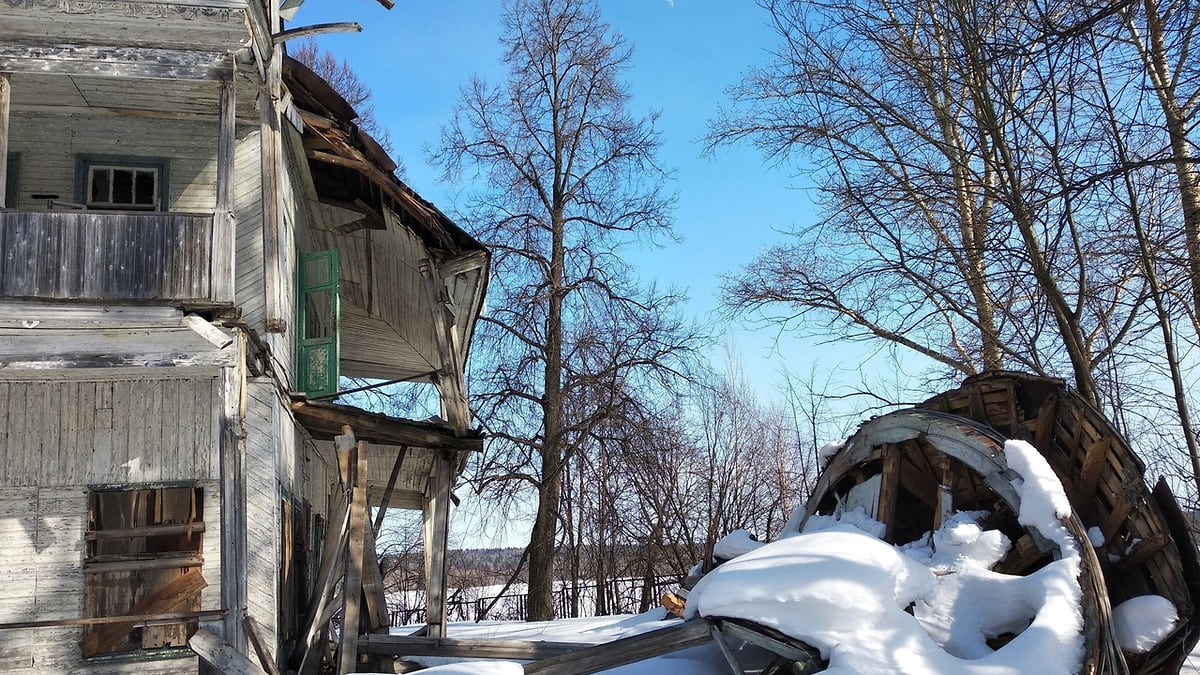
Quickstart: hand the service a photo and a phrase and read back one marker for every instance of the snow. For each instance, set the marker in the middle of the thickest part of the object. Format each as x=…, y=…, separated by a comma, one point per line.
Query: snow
x=931, y=606
x=1095, y=536
x=1143, y=622
x=734, y=544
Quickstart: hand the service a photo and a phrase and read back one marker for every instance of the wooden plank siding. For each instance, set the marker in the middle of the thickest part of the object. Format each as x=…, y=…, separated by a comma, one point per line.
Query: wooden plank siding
x=262, y=508
x=248, y=215
x=79, y=432
x=41, y=571
x=48, y=145
x=209, y=25
x=103, y=256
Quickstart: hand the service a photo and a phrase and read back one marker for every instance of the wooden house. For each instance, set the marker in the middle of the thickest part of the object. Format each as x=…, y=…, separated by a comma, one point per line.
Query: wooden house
x=196, y=242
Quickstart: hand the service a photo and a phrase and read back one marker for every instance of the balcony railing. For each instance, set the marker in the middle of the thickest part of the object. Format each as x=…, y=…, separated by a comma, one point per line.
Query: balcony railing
x=105, y=256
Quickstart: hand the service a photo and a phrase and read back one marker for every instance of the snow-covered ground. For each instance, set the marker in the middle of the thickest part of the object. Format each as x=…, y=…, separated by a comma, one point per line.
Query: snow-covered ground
x=870, y=607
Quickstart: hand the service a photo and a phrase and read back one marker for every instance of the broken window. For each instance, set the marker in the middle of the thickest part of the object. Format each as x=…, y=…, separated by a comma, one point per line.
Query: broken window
x=122, y=183
x=143, y=561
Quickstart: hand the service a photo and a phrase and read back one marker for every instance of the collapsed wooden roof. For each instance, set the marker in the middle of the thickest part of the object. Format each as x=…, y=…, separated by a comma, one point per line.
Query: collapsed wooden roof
x=914, y=466
x=352, y=170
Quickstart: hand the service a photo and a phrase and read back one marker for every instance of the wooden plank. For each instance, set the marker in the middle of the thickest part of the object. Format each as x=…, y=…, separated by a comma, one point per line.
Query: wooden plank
x=518, y=650
x=135, y=620
x=146, y=531
x=110, y=61
x=391, y=486
x=170, y=598
x=223, y=262
x=352, y=587
x=435, y=529
x=625, y=650
x=805, y=658
x=378, y=618
x=253, y=631
x=143, y=564
x=217, y=653
x=1094, y=460
x=333, y=553
x=1142, y=551
x=889, y=487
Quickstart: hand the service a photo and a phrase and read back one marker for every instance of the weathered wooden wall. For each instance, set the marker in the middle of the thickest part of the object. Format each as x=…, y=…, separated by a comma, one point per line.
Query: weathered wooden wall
x=208, y=25
x=104, y=256
x=248, y=215
x=48, y=145
x=93, y=428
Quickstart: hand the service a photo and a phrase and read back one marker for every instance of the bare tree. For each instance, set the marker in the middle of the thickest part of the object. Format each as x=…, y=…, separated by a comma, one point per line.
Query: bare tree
x=570, y=177
x=956, y=220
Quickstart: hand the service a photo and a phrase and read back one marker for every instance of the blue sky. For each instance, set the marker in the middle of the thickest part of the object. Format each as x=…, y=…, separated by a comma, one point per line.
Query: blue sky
x=416, y=57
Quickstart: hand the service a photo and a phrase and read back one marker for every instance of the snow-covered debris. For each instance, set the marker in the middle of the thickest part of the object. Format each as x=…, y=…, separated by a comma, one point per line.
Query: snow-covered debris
x=1143, y=622
x=735, y=544
x=828, y=451
x=841, y=589
x=1095, y=537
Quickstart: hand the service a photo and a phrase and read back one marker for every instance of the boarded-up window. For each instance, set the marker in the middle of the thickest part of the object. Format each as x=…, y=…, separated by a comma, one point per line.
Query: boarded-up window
x=144, y=562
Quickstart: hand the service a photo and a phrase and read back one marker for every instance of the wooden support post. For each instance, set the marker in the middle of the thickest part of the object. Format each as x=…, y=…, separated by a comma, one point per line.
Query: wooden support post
x=5, y=97
x=221, y=656
x=332, y=555
x=436, y=530
x=234, y=589
x=352, y=584
x=221, y=267
x=946, y=479
x=391, y=487
x=889, y=488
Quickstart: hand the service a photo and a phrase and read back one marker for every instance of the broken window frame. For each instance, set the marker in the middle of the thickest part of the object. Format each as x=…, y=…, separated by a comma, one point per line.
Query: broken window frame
x=142, y=558
x=89, y=166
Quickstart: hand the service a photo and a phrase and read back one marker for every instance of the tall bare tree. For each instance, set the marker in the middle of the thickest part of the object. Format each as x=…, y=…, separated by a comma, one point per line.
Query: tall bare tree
x=569, y=177
x=946, y=142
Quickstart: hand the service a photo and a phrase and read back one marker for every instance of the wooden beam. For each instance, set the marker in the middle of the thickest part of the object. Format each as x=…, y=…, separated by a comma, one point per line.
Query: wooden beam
x=134, y=619
x=223, y=264
x=352, y=583
x=625, y=650
x=173, y=597
x=515, y=650
x=5, y=102
x=316, y=29
x=142, y=564
x=221, y=656
x=319, y=420
x=254, y=631
x=1094, y=460
x=332, y=553
x=391, y=487
x=146, y=531
x=436, y=533
x=111, y=61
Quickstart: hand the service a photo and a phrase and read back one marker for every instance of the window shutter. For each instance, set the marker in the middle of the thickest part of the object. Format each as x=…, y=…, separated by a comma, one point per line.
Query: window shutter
x=320, y=323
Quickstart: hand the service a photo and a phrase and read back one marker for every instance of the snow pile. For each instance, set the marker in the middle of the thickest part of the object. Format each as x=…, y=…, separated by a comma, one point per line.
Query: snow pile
x=840, y=589
x=1143, y=622
x=734, y=544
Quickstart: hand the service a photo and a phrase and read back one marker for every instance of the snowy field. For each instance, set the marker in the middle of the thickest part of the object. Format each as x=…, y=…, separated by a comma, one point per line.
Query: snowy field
x=873, y=608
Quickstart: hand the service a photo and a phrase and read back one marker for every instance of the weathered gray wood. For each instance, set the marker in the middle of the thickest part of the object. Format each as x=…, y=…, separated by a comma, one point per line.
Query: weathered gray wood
x=436, y=530
x=518, y=650
x=316, y=29
x=110, y=61
x=391, y=486
x=145, y=531
x=105, y=256
x=139, y=619
x=332, y=555
x=253, y=630
x=352, y=585
x=234, y=591
x=223, y=261
x=625, y=650
x=220, y=655
x=5, y=102
x=774, y=642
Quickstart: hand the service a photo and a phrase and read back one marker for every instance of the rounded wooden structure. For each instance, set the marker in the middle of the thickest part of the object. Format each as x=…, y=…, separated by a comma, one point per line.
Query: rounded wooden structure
x=912, y=468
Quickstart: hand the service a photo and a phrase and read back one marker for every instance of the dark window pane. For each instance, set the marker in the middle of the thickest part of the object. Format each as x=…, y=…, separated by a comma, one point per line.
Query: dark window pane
x=144, y=188
x=122, y=186
x=319, y=318
x=99, y=186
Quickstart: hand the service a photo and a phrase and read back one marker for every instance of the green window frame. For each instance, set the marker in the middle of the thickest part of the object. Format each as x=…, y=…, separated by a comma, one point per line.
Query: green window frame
x=318, y=349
